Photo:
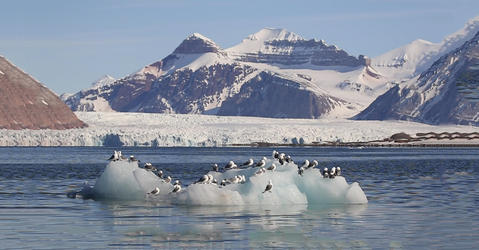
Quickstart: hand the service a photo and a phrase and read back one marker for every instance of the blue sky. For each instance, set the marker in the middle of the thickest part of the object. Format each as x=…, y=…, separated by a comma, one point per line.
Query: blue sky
x=69, y=44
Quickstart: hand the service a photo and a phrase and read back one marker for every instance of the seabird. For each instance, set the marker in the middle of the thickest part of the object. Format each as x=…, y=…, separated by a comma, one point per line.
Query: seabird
x=234, y=180
x=204, y=179
x=289, y=159
x=176, y=188
x=264, y=158
x=215, y=167
x=243, y=179
x=248, y=163
x=332, y=172
x=223, y=183
x=261, y=163
x=149, y=166
x=167, y=179
x=120, y=156
x=313, y=164
x=155, y=191
x=268, y=187
x=325, y=173
x=260, y=171
x=160, y=174
x=305, y=164
x=230, y=165
x=210, y=179
x=114, y=156
x=338, y=171
x=272, y=167
x=275, y=154
x=301, y=171
x=132, y=158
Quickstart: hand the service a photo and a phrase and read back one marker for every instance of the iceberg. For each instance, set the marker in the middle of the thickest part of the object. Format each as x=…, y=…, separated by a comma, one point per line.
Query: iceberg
x=125, y=180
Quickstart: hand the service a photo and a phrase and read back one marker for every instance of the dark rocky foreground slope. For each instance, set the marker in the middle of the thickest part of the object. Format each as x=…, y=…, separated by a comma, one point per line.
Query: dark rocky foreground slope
x=27, y=104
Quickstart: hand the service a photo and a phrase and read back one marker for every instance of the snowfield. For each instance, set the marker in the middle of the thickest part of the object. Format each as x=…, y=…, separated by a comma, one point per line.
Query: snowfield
x=143, y=129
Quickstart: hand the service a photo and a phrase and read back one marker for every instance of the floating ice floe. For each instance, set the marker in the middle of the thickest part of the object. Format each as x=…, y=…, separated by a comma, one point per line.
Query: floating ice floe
x=125, y=180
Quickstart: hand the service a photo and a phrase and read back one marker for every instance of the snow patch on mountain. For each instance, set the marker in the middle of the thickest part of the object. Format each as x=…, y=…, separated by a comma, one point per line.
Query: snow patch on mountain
x=256, y=42
x=103, y=81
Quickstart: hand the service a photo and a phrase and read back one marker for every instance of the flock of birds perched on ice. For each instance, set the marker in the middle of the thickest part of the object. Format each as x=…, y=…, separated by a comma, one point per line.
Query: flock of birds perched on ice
x=279, y=158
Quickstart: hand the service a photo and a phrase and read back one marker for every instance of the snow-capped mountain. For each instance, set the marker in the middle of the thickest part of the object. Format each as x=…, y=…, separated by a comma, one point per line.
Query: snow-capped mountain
x=278, y=46
x=272, y=73
x=404, y=63
x=25, y=103
x=447, y=92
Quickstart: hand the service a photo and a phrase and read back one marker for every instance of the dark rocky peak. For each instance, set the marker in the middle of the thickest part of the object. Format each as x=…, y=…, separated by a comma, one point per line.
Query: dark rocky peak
x=197, y=44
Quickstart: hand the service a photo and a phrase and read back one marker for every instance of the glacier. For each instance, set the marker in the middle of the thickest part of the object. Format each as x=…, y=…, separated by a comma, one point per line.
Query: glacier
x=156, y=130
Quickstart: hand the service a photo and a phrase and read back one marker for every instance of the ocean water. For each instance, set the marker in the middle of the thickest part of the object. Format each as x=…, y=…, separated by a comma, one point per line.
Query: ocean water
x=418, y=198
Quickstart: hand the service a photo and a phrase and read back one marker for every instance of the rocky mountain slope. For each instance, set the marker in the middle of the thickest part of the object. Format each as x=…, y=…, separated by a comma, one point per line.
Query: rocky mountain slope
x=272, y=73
x=27, y=104
x=447, y=92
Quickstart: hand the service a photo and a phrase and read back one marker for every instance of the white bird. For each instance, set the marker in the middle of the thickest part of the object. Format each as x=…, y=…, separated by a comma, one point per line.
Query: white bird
x=264, y=158
x=160, y=174
x=325, y=173
x=275, y=154
x=176, y=188
x=332, y=172
x=248, y=163
x=167, y=179
x=301, y=171
x=120, y=156
x=260, y=171
x=233, y=180
x=305, y=164
x=204, y=179
x=210, y=179
x=215, y=167
x=132, y=158
x=268, y=187
x=223, y=183
x=155, y=191
x=243, y=179
x=230, y=165
x=272, y=167
x=114, y=156
x=338, y=171
x=149, y=166
x=261, y=163
x=313, y=164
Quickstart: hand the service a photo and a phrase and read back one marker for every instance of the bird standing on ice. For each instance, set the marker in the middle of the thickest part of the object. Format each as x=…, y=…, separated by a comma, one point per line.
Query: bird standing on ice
x=305, y=164
x=120, y=156
x=155, y=191
x=338, y=171
x=215, y=167
x=132, y=158
x=150, y=167
x=204, y=179
x=176, y=187
x=230, y=165
x=261, y=163
x=248, y=163
x=268, y=187
x=272, y=167
x=167, y=179
x=114, y=156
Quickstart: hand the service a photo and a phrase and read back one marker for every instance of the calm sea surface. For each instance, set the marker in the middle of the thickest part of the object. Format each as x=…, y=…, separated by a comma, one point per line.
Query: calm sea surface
x=418, y=198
